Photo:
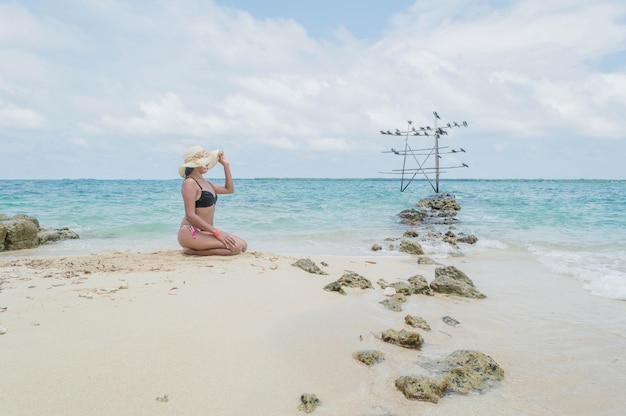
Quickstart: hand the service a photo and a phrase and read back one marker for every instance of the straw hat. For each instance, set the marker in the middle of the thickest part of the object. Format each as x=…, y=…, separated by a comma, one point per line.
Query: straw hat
x=196, y=156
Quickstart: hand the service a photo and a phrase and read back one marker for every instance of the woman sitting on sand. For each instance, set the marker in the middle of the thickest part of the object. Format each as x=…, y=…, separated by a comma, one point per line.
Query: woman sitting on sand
x=197, y=234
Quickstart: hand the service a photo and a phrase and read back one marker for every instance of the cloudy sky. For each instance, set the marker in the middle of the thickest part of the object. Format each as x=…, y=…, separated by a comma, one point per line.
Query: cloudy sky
x=120, y=88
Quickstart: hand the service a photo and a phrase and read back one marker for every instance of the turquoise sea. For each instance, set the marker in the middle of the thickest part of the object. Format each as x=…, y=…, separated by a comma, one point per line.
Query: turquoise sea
x=573, y=227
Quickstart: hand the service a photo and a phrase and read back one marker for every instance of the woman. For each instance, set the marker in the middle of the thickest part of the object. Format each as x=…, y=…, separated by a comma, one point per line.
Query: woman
x=197, y=234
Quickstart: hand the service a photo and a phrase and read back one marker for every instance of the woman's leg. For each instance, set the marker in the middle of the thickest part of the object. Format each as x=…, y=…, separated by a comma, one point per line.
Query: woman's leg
x=205, y=244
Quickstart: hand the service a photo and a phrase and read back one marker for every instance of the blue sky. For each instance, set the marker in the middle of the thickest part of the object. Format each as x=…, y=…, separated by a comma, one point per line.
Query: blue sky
x=120, y=89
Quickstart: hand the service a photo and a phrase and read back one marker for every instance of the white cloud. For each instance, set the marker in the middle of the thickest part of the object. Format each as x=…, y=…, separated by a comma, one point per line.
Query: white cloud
x=12, y=116
x=172, y=74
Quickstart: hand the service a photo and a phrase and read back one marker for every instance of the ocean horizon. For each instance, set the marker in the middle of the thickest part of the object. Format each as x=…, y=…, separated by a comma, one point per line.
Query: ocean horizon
x=572, y=227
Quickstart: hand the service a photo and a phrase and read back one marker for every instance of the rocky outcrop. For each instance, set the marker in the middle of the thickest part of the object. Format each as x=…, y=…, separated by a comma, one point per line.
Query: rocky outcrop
x=23, y=231
x=411, y=247
x=426, y=220
x=463, y=371
x=440, y=205
x=451, y=280
x=349, y=279
x=419, y=285
x=412, y=216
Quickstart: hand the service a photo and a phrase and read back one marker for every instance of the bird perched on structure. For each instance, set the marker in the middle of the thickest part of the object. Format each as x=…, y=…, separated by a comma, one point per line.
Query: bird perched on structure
x=462, y=150
x=436, y=115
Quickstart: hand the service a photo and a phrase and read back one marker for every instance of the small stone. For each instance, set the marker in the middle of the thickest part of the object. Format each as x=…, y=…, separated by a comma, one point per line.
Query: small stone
x=421, y=388
x=389, y=291
x=392, y=304
x=403, y=338
x=410, y=234
x=448, y=320
x=417, y=322
x=369, y=357
x=425, y=260
x=3, y=330
x=309, y=266
x=309, y=402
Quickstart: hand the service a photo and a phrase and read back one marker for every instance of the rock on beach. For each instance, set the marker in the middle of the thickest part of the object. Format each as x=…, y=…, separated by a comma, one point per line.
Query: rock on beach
x=23, y=232
x=451, y=280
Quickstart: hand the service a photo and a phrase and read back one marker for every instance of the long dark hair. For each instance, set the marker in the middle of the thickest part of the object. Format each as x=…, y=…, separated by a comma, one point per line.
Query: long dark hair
x=188, y=171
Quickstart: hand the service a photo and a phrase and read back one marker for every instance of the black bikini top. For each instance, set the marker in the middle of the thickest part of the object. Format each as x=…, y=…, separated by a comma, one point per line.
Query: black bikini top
x=206, y=199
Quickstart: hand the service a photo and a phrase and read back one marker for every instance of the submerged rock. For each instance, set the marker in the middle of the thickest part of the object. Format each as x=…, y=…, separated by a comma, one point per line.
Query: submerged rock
x=470, y=239
x=412, y=216
x=451, y=280
x=463, y=371
x=309, y=265
x=470, y=371
x=49, y=235
x=410, y=247
x=425, y=260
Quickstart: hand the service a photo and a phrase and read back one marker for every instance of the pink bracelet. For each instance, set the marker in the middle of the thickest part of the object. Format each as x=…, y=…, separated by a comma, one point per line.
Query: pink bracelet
x=216, y=233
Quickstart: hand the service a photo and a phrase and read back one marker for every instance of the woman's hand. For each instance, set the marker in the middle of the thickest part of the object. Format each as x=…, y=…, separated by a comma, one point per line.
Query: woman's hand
x=228, y=240
x=222, y=158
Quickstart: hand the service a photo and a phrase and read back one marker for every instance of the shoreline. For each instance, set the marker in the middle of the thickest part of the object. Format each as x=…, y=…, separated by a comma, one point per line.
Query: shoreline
x=110, y=333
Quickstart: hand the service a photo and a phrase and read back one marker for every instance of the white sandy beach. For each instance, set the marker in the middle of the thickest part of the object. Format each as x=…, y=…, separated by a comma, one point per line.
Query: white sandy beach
x=166, y=334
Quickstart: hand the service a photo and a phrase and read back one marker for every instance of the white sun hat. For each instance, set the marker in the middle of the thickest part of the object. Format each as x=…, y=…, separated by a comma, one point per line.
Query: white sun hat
x=196, y=156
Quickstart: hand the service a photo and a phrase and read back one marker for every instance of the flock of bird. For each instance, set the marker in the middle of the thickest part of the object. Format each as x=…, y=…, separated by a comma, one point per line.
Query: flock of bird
x=425, y=131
